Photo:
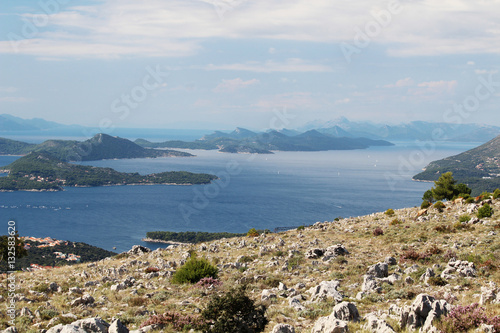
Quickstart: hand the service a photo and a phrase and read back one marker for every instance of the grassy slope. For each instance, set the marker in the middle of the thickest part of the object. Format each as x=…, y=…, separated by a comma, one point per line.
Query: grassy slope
x=356, y=234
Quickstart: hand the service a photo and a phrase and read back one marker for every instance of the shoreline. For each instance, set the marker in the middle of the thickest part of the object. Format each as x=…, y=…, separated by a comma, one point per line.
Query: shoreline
x=152, y=240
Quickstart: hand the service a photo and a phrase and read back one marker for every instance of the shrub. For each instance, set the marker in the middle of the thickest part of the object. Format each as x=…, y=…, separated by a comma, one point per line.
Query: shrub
x=444, y=228
x=425, y=204
x=234, y=311
x=439, y=206
x=460, y=226
x=301, y=228
x=437, y=281
x=395, y=222
x=47, y=314
x=194, y=270
x=208, y=281
x=252, y=233
x=486, y=195
x=485, y=211
x=469, y=200
x=151, y=270
x=378, y=231
x=496, y=194
x=246, y=259
x=465, y=318
x=175, y=320
x=414, y=255
x=464, y=218
x=389, y=212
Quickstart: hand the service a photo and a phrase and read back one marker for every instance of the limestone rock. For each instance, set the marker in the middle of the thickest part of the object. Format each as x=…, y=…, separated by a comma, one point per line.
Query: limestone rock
x=138, y=250
x=326, y=289
x=283, y=328
x=391, y=261
x=423, y=312
x=329, y=325
x=370, y=284
x=379, y=270
x=117, y=327
x=345, y=311
x=377, y=325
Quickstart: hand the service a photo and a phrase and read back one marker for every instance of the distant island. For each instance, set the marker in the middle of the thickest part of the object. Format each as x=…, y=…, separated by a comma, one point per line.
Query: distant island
x=41, y=171
x=479, y=167
x=187, y=236
x=245, y=141
x=99, y=147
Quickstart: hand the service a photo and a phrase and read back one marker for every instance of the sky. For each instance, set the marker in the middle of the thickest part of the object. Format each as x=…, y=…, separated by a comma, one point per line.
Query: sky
x=251, y=63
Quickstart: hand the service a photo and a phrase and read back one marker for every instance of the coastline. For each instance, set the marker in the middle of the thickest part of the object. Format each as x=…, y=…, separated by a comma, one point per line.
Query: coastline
x=152, y=240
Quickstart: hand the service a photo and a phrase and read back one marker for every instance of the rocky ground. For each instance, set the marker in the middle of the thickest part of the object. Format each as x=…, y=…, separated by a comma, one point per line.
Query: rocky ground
x=400, y=272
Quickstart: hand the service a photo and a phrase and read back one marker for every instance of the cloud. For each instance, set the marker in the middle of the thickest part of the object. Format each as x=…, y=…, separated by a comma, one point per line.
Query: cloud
x=289, y=65
x=401, y=83
x=432, y=88
x=342, y=101
x=233, y=85
x=178, y=28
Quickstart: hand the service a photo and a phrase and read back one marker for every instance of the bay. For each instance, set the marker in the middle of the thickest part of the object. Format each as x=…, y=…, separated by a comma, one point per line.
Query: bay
x=254, y=191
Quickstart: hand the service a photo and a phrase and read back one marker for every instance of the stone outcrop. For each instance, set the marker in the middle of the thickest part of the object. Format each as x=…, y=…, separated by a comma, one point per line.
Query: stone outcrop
x=283, y=328
x=423, y=312
x=460, y=268
x=326, y=289
x=376, y=325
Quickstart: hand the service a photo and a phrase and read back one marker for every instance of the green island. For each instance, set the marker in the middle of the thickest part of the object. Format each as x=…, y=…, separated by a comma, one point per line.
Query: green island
x=188, y=236
x=40, y=171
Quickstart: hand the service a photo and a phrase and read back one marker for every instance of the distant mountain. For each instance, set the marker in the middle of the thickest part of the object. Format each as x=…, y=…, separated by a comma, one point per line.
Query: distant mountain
x=415, y=130
x=99, y=147
x=245, y=141
x=42, y=171
x=12, y=123
x=478, y=167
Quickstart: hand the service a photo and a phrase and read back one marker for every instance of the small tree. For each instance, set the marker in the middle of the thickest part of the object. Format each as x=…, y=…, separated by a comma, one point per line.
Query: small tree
x=444, y=187
x=462, y=190
x=485, y=211
x=252, y=233
x=428, y=196
x=9, y=242
x=194, y=270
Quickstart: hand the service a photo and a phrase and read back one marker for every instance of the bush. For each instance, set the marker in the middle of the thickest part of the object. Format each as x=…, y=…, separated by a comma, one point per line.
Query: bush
x=425, y=204
x=444, y=228
x=437, y=281
x=194, y=270
x=470, y=200
x=485, y=211
x=395, y=222
x=175, y=320
x=389, y=212
x=208, y=281
x=439, y=206
x=252, y=233
x=465, y=318
x=301, y=228
x=151, y=270
x=378, y=231
x=234, y=311
x=464, y=218
x=496, y=194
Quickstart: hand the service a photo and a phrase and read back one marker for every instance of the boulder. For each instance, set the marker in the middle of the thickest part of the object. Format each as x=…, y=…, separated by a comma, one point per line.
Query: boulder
x=267, y=295
x=66, y=329
x=376, y=325
x=294, y=302
x=283, y=328
x=461, y=268
x=370, y=284
x=11, y=329
x=429, y=272
x=138, y=250
x=314, y=253
x=423, y=312
x=379, y=270
x=345, y=311
x=326, y=289
x=391, y=261
x=92, y=325
x=84, y=300
x=329, y=325
x=117, y=327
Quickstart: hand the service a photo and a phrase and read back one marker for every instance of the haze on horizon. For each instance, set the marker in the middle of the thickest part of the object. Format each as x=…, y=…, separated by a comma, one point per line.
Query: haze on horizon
x=227, y=63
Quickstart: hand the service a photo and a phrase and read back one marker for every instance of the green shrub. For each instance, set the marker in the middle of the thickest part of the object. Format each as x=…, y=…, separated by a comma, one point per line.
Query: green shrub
x=485, y=195
x=389, y=212
x=425, y=204
x=439, y=206
x=485, y=211
x=496, y=194
x=464, y=218
x=194, y=270
x=246, y=259
x=301, y=228
x=234, y=311
x=252, y=233
x=470, y=200
x=437, y=281
x=395, y=222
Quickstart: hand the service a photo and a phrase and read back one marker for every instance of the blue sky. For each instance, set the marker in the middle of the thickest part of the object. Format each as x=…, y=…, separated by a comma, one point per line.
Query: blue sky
x=227, y=63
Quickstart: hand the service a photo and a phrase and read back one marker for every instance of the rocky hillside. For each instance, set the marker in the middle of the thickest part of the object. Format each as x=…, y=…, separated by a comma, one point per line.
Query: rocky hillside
x=399, y=271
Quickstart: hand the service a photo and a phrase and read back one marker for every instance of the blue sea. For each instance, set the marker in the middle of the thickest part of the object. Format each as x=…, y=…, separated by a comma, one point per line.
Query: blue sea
x=254, y=191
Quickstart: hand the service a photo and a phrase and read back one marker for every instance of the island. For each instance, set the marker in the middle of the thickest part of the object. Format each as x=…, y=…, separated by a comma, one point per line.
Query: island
x=99, y=147
x=245, y=141
x=41, y=171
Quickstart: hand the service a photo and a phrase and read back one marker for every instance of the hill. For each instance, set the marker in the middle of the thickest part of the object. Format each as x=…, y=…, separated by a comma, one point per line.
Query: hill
x=99, y=147
x=479, y=167
x=399, y=272
x=43, y=171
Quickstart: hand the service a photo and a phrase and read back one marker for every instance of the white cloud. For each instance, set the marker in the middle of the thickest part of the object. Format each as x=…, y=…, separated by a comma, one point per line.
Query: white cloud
x=486, y=71
x=433, y=88
x=342, y=101
x=290, y=65
x=233, y=85
x=177, y=28
x=471, y=63
x=401, y=83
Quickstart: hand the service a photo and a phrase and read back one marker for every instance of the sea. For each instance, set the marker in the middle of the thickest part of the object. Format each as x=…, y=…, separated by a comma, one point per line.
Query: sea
x=284, y=189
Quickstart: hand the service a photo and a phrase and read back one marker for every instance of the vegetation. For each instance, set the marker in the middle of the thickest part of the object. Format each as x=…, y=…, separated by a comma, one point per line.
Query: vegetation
x=485, y=211
x=12, y=147
x=465, y=318
x=252, y=233
x=234, y=311
x=190, y=236
x=194, y=270
x=389, y=212
x=478, y=167
x=425, y=204
x=11, y=244
x=37, y=171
